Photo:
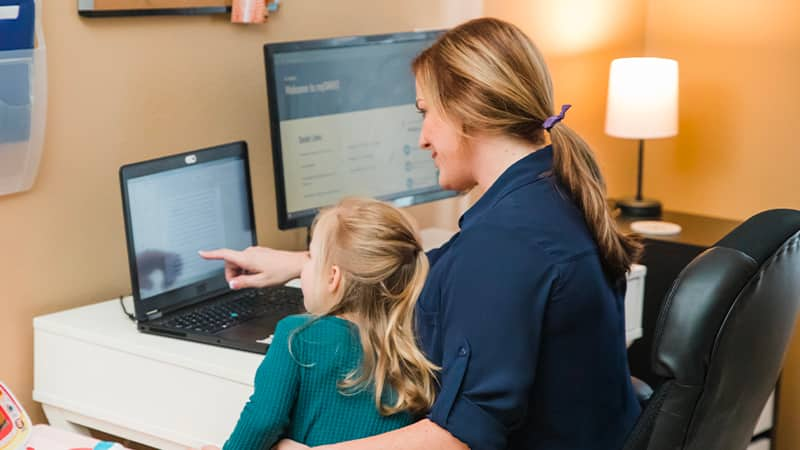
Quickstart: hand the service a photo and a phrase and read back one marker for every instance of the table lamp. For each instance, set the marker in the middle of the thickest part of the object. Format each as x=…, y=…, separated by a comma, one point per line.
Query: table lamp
x=642, y=104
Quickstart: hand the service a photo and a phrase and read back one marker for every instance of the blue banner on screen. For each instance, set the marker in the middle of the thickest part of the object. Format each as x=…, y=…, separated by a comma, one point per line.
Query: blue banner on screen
x=332, y=81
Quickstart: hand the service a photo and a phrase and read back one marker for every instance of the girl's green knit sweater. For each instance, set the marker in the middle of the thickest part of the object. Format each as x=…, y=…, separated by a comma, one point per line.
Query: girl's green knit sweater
x=296, y=393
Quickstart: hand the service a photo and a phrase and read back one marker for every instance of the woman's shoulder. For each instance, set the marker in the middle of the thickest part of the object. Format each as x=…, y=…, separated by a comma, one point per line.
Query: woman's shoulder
x=549, y=237
x=496, y=238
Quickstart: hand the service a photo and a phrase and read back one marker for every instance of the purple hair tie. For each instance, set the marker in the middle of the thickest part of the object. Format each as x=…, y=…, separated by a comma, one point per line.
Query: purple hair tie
x=553, y=120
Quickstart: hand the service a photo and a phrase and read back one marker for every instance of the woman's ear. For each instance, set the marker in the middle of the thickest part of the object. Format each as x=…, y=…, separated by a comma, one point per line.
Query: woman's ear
x=334, y=279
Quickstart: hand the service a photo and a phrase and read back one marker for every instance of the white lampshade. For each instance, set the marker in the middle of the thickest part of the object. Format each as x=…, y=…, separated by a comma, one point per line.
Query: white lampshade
x=642, y=98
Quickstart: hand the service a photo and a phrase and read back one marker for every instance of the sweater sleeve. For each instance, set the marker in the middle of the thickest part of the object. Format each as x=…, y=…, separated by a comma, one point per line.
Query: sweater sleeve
x=265, y=417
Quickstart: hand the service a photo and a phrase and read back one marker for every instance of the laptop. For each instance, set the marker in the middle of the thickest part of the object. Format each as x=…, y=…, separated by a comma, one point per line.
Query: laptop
x=175, y=206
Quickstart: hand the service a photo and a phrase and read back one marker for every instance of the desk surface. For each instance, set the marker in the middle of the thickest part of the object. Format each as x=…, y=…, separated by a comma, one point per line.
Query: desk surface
x=105, y=325
x=700, y=231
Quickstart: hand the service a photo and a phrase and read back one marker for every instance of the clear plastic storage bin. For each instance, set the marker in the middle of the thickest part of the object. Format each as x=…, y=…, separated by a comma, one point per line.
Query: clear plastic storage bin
x=23, y=106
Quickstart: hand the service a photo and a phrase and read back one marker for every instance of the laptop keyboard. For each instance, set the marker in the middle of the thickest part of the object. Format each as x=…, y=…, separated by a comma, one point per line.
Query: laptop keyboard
x=239, y=308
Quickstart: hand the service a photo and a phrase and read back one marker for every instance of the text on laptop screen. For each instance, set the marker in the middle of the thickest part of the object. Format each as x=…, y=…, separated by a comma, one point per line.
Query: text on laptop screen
x=347, y=123
x=178, y=212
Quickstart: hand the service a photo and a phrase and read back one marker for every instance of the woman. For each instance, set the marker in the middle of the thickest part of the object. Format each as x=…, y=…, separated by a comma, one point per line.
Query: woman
x=523, y=308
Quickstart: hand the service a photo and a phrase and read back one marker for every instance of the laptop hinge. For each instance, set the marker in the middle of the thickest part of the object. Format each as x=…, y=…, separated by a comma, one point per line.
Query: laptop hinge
x=153, y=315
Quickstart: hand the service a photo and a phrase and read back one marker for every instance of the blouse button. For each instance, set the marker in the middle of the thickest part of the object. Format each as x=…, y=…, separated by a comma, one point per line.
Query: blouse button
x=462, y=351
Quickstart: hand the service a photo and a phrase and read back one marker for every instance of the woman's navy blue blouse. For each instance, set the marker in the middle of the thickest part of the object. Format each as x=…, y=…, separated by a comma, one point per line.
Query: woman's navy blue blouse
x=528, y=330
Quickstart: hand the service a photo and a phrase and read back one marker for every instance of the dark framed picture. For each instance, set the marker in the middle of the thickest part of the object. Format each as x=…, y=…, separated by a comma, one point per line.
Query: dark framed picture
x=106, y=8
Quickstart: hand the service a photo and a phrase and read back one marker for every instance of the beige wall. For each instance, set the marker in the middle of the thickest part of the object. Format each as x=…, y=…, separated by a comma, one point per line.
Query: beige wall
x=739, y=99
x=579, y=39
x=126, y=89
x=737, y=150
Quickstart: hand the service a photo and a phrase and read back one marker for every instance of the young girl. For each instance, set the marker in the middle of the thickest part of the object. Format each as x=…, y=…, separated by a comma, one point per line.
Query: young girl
x=351, y=368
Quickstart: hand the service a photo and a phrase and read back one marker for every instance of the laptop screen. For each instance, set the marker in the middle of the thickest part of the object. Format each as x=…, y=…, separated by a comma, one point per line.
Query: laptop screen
x=178, y=205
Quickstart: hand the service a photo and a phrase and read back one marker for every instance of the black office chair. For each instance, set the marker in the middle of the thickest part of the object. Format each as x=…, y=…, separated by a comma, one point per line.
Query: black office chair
x=721, y=338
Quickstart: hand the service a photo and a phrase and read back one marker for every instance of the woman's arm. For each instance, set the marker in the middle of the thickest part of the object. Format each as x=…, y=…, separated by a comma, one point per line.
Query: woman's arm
x=423, y=435
x=258, y=266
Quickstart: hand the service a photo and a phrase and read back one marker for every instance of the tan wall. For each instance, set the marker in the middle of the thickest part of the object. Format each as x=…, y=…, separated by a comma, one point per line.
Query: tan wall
x=127, y=89
x=737, y=151
x=579, y=39
x=739, y=99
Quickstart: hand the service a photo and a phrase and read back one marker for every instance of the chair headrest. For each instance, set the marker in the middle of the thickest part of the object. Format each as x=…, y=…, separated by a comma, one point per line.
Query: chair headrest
x=761, y=235
x=702, y=297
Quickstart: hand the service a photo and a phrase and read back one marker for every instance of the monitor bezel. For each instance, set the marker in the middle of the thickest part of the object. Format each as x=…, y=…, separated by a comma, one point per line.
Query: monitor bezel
x=304, y=218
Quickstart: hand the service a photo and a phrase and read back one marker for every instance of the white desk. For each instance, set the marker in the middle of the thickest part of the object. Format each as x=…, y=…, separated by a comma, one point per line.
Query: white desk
x=93, y=369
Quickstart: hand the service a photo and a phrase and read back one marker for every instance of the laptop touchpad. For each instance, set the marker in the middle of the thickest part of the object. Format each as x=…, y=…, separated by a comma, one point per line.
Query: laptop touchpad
x=252, y=330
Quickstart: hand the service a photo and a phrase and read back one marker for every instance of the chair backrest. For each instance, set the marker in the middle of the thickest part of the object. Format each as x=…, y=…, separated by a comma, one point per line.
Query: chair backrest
x=721, y=337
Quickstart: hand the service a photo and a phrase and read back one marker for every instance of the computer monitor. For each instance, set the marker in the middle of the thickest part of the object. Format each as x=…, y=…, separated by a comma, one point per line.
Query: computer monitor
x=344, y=123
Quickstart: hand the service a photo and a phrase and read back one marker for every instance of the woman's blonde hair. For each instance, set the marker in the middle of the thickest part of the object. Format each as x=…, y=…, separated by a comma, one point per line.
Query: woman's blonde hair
x=383, y=270
x=487, y=76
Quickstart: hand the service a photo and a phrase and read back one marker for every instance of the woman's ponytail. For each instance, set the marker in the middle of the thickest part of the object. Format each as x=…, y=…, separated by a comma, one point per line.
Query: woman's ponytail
x=578, y=172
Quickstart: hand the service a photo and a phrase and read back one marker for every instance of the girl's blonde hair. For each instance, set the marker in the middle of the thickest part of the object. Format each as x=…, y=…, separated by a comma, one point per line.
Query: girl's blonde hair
x=383, y=271
x=487, y=76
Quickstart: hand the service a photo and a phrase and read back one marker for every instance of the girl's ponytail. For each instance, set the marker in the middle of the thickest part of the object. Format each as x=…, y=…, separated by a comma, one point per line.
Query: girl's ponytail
x=383, y=271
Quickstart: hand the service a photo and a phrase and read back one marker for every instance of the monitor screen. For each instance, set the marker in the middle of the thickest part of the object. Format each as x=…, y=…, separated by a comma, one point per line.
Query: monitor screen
x=344, y=123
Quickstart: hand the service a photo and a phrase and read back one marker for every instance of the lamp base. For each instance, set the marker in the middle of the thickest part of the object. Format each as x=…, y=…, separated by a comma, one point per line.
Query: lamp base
x=631, y=207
